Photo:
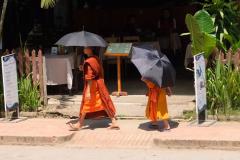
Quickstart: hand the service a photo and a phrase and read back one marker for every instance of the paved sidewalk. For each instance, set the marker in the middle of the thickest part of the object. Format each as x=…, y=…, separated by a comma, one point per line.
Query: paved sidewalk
x=35, y=132
x=133, y=134
x=136, y=134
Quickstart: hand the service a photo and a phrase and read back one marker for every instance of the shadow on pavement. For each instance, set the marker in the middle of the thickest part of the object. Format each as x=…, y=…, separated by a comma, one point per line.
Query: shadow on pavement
x=148, y=127
x=93, y=123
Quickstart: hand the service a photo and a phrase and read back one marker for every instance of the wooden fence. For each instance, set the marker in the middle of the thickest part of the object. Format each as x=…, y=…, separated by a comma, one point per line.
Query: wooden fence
x=32, y=64
x=234, y=58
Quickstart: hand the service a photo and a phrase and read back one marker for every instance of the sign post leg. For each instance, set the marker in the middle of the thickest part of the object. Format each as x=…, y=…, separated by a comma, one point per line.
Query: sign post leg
x=18, y=113
x=119, y=82
x=6, y=114
x=119, y=74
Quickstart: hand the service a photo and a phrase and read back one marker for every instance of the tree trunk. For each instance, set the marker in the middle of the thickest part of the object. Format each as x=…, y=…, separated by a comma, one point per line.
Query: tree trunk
x=4, y=8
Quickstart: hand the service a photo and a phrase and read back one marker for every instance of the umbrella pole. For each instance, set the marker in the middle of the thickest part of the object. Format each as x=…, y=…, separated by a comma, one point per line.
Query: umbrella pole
x=75, y=73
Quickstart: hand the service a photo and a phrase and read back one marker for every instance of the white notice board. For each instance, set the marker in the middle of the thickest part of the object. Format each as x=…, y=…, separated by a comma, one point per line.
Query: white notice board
x=10, y=84
x=200, y=82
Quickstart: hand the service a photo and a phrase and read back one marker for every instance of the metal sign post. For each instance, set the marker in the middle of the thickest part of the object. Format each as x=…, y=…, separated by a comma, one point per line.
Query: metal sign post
x=201, y=91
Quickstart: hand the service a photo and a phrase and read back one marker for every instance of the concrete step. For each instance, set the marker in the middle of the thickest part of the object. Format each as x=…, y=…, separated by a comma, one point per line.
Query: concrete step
x=129, y=106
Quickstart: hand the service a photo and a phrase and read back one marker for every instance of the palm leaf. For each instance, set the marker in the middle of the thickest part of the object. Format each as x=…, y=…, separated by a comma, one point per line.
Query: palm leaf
x=47, y=3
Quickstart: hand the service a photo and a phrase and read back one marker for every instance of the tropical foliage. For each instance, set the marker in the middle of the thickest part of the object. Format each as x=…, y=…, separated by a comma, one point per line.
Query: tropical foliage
x=223, y=88
x=47, y=3
x=226, y=14
x=3, y=11
x=29, y=95
x=217, y=25
x=201, y=30
x=1, y=96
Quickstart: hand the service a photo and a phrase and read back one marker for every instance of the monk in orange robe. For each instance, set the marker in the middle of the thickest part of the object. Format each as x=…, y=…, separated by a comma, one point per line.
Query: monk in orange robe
x=157, y=105
x=96, y=101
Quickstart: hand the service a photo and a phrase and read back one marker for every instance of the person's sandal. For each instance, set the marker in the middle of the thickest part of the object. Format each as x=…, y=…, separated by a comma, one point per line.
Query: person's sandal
x=113, y=127
x=74, y=128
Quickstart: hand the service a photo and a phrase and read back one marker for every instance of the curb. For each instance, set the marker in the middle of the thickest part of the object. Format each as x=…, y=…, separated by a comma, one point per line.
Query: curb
x=25, y=140
x=61, y=115
x=197, y=144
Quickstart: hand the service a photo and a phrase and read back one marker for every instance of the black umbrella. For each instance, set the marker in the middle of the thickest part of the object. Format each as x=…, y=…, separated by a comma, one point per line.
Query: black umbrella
x=83, y=38
x=153, y=65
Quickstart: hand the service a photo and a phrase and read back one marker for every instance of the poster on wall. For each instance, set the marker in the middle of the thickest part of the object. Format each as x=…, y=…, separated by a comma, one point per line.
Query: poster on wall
x=200, y=86
x=10, y=84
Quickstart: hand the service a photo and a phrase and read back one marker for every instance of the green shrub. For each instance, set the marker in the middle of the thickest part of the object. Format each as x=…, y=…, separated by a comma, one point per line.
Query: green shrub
x=223, y=89
x=1, y=96
x=29, y=95
x=1, y=89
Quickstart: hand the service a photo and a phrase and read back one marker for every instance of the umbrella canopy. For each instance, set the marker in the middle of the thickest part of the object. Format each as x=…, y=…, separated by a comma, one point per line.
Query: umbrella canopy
x=153, y=66
x=83, y=38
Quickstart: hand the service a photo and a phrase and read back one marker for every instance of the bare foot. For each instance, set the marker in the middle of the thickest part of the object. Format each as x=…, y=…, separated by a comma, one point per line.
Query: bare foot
x=166, y=125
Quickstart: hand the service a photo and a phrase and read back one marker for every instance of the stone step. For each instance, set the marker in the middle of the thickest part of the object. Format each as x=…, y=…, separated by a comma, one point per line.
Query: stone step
x=123, y=109
x=76, y=100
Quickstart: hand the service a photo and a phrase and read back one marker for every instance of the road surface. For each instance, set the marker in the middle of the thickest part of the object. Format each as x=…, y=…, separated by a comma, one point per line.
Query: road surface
x=73, y=153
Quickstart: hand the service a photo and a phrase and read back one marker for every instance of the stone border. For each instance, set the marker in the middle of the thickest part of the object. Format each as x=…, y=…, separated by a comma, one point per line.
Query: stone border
x=29, y=140
x=197, y=144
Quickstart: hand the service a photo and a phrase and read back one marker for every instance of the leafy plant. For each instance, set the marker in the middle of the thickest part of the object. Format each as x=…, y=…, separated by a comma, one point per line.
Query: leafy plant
x=1, y=96
x=223, y=88
x=1, y=89
x=48, y=3
x=226, y=15
x=201, y=29
x=28, y=94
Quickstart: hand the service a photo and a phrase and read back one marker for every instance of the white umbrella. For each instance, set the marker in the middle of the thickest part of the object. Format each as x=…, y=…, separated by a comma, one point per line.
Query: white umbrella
x=83, y=38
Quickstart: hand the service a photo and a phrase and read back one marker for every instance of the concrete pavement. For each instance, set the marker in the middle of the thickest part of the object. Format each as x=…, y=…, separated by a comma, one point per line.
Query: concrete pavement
x=35, y=132
x=133, y=134
x=73, y=153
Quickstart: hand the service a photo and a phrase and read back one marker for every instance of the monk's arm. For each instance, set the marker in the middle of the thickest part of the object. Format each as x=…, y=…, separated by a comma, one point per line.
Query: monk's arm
x=88, y=92
x=169, y=91
x=89, y=75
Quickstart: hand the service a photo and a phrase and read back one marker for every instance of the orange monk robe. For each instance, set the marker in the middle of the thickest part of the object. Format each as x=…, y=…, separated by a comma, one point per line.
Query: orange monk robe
x=157, y=103
x=100, y=103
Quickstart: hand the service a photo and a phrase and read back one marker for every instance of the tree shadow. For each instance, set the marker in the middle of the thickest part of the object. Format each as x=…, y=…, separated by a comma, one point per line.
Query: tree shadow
x=148, y=127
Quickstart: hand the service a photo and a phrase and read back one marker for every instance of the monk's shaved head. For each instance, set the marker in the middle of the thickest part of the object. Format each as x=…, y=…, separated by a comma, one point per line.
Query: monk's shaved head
x=88, y=50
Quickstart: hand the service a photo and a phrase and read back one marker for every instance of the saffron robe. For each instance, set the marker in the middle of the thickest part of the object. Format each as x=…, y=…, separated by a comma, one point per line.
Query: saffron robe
x=157, y=103
x=100, y=103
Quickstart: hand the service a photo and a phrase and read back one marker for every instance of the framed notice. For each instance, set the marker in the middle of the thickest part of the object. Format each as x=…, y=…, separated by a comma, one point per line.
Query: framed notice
x=118, y=49
x=54, y=51
x=200, y=86
x=10, y=84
